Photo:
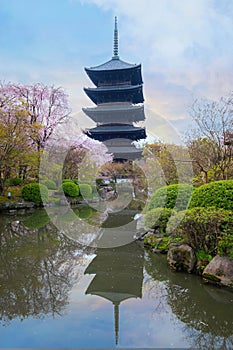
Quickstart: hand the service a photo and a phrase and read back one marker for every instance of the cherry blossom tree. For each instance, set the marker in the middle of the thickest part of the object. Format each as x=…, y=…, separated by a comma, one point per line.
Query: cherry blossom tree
x=46, y=107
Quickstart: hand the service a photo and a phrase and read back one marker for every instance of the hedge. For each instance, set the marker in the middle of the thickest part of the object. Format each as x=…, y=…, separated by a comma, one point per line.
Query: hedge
x=35, y=192
x=217, y=194
x=175, y=196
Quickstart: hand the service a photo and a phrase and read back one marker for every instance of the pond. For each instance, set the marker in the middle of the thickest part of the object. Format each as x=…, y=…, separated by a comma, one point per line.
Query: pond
x=56, y=293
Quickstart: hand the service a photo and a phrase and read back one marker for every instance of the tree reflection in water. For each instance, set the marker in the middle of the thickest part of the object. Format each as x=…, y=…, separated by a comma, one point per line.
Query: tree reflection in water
x=38, y=267
x=205, y=310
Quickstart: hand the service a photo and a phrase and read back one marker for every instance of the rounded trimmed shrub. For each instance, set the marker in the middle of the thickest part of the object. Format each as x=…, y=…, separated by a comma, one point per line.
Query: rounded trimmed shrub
x=217, y=194
x=70, y=189
x=157, y=218
x=35, y=192
x=50, y=184
x=175, y=196
x=85, y=190
x=202, y=228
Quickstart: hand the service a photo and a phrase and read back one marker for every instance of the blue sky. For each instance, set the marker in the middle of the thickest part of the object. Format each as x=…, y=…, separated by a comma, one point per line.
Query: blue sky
x=185, y=47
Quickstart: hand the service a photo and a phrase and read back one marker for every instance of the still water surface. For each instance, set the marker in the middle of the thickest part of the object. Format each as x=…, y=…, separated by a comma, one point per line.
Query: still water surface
x=56, y=293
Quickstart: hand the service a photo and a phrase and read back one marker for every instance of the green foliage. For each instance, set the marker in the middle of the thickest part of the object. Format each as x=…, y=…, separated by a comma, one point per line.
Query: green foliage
x=172, y=197
x=203, y=260
x=201, y=228
x=70, y=189
x=225, y=245
x=203, y=256
x=76, y=181
x=50, y=184
x=16, y=181
x=217, y=194
x=35, y=192
x=157, y=218
x=161, y=244
x=85, y=190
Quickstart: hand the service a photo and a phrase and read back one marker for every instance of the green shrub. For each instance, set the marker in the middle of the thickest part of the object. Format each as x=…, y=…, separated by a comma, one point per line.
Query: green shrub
x=35, y=192
x=16, y=181
x=225, y=245
x=76, y=181
x=70, y=189
x=157, y=218
x=85, y=190
x=217, y=194
x=172, y=197
x=202, y=228
x=50, y=184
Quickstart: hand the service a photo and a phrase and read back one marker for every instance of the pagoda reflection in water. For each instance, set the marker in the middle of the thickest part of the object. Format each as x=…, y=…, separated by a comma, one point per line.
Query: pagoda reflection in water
x=118, y=276
x=119, y=101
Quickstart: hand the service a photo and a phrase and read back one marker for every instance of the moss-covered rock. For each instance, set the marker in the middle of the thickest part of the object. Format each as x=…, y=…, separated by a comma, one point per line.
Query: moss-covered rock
x=181, y=258
x=220, y=270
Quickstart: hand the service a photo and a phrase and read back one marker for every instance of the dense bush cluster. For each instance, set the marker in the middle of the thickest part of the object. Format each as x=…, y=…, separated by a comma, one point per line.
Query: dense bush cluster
x=35, y=192
x=202, y=228
x=172, y=197
x=207, y=226
x=217, y=194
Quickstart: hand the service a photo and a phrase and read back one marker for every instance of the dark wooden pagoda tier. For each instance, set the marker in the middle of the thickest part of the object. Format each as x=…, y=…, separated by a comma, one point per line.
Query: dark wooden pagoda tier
x=108, y=132
x=115, y=72
x=106, y=113
x=118, y=93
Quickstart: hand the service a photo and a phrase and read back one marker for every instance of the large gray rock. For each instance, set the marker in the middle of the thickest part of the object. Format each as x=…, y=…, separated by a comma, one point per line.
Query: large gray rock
x=220, y=271
x=181, y=258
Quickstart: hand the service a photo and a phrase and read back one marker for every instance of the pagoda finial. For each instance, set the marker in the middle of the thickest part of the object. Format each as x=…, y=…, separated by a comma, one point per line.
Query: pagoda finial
x=115, y=45
x=116, y=319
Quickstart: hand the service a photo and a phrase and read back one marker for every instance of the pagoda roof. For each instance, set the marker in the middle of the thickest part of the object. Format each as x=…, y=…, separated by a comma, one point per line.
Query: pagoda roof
x=114, y=64
x=118, y=93
x=115, y=127
x=112, y=131
x=115, y=88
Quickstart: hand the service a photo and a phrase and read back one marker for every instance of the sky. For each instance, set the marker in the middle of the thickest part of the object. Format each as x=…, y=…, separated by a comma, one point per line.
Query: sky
x=185, y=48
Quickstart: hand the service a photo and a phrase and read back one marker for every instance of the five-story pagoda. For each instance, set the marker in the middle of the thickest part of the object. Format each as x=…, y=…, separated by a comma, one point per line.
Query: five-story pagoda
x=119, y=101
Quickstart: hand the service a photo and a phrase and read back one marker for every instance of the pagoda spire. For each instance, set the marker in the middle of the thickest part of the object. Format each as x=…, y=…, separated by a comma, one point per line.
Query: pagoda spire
x=115, y=44
x=116, y=321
